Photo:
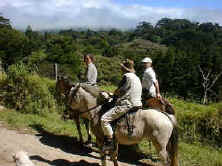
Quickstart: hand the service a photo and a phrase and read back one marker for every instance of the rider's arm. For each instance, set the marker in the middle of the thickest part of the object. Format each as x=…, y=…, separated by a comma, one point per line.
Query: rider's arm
x=156, y=84
x=122, y=88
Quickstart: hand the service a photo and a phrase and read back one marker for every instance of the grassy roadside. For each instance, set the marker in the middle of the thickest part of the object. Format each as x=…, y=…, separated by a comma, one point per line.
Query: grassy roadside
x=193, y=154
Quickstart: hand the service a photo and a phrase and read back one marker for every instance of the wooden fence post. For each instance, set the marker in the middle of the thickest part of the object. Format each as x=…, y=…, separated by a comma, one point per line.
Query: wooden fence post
x=1, y=68
x=55, y=71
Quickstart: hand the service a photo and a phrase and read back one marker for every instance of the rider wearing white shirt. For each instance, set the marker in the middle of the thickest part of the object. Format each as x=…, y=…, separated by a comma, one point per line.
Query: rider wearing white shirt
x=91, y=72
x=149, y=81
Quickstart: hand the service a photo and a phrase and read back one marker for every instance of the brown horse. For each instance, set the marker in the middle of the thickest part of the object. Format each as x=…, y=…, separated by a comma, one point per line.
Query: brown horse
x=63, y=87
x=148, y=124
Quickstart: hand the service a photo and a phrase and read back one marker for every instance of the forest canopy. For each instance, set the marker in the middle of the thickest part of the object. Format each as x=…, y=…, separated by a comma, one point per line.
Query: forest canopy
x=184, y=53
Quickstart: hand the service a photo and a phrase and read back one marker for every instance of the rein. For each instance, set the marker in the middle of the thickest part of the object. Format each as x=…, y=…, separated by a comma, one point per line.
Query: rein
x=90, y=109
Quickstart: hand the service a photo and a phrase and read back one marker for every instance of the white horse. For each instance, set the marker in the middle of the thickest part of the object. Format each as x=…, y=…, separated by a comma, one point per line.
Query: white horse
x=63, y=87
x=149, y=124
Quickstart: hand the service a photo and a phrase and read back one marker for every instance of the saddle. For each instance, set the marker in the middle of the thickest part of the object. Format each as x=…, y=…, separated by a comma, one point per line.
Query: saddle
x=126, y=121
x=162, y=105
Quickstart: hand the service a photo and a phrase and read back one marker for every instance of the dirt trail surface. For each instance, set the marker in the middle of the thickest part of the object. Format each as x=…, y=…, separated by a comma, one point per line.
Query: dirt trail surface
x=46, y=149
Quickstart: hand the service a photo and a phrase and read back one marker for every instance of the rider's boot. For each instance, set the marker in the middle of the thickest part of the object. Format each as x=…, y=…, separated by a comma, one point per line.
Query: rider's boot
x=108, y=144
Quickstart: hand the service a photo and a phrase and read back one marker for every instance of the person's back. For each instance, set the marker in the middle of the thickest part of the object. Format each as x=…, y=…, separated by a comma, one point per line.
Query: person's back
x=133, y=94
x=128, y=96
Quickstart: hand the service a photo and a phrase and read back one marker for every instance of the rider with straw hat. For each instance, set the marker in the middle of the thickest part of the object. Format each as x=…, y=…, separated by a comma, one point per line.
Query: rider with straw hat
x=127, y=95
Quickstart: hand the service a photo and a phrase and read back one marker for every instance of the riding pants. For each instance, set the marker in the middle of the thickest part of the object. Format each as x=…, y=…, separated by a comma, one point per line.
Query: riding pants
x=112, y=114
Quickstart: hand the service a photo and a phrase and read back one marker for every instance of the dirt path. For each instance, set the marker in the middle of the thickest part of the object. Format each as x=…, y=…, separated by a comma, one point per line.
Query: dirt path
x=46, y=149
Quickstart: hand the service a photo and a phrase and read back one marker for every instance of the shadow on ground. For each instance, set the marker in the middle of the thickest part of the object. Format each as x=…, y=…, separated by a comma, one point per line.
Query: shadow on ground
x=62, y=162
x=66, y=143
x=127, y=154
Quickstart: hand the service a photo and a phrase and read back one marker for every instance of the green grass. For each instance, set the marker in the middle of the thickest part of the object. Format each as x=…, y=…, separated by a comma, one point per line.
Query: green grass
x=199, y=155
x=191, y=154
x=50, y=122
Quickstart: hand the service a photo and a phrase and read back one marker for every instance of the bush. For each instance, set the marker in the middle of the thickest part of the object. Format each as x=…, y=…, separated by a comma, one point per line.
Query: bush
x=199, y=122
x=27, y=92
x=109, y=70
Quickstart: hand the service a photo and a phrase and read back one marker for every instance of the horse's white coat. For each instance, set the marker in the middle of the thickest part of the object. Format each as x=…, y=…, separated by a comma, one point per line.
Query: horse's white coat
x=149, y=124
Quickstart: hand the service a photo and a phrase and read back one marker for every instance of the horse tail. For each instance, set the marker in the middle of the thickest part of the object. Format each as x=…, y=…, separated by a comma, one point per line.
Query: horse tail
x=172, y=147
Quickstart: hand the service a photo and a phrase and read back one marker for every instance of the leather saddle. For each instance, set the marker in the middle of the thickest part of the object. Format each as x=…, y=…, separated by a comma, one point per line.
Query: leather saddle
x=162, y=105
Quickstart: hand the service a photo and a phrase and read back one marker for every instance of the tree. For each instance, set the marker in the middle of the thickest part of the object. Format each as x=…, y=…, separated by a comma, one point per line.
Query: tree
x=4, y=22
x=208, y=81
x=28, y=32
x=145, y=30
x=13, y=46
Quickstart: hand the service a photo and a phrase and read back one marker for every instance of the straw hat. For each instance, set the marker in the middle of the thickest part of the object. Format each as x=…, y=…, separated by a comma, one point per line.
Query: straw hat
x=128, y=65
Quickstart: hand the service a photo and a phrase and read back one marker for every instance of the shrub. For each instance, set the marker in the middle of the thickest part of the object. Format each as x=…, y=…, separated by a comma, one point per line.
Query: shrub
x=26, y=91
x=199, y=122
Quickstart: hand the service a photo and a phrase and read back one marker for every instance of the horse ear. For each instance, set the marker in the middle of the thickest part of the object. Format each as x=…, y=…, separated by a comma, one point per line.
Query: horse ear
x=78, y=86
x=58, y=78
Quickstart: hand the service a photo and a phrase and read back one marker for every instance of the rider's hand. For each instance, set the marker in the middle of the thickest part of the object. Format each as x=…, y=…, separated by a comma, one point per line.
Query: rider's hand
x=116, y=93
x=159, y=96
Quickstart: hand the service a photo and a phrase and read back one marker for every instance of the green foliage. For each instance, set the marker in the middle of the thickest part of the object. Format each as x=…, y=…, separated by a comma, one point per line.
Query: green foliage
x=199, y=123
x=27, y=92
x=4, y=22
x=59, y=46
x=12, y=46
x=62, y=50
x=198, y=154
x=177, y=46
x=108, y=70
x=110, y=52
x=37, y=57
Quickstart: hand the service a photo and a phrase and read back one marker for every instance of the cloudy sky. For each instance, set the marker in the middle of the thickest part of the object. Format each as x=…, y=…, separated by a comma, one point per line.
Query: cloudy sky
x=45, y=14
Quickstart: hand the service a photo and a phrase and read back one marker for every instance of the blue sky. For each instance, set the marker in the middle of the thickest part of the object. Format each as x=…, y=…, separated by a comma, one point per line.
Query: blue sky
x=47, y=14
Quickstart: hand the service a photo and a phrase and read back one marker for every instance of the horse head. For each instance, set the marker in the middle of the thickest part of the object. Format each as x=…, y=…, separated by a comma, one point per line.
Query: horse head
x=83, y=97
x=63, y=86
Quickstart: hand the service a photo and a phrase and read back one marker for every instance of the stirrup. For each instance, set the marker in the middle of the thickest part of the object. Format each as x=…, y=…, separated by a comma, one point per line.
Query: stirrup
x=108, y=145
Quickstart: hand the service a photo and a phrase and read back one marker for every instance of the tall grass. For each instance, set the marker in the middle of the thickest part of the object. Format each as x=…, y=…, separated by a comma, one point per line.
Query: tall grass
x=199, y=123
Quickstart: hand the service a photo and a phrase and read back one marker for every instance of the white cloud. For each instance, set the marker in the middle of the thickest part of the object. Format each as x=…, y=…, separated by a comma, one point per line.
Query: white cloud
x=42, y=14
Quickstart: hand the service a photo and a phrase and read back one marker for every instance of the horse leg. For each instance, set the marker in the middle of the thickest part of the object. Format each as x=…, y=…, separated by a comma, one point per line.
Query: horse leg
x=114, y=155
x=103, y=158
x=167, y=147
x=77, y=120
x=172, y=147
x=86, y=123
x=161, y=150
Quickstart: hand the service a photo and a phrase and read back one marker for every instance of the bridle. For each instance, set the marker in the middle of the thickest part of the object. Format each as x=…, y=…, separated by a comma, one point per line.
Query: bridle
x=88, y=110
